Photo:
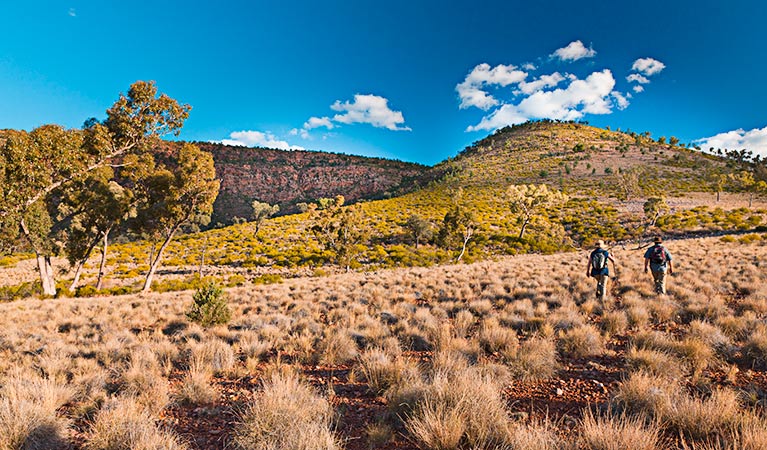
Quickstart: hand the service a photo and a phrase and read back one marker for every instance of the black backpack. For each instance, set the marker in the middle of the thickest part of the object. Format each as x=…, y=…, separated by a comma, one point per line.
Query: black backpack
x=658, y=255
x=598, y=260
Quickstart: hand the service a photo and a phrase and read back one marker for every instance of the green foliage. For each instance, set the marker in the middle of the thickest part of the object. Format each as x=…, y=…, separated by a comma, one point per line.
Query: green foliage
x=209, y=306
x=262, y=211
x=340, y=230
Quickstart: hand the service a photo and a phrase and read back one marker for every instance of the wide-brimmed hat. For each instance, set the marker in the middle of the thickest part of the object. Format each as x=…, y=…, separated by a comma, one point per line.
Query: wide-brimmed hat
x=600, y=243
x=657, y=240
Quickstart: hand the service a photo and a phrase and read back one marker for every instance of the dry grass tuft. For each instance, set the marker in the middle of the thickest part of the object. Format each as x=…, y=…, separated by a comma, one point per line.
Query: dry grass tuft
x=581, y=342
x=28, y=418
x=287, y=415
x=611, y=432
x=535, y=360
x=124, y=424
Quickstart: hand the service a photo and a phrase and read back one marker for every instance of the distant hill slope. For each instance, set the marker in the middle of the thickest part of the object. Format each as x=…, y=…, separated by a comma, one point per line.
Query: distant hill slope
x=290, y=177
x=581, y=158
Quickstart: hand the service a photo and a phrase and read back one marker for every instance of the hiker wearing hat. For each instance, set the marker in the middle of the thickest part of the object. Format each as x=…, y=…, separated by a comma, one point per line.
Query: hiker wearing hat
x=598, y=269
x=659, y=261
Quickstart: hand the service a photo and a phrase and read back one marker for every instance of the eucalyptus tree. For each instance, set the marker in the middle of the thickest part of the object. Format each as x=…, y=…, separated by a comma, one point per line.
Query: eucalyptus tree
x=38, y=167
x=529, y=200
x=175, y=196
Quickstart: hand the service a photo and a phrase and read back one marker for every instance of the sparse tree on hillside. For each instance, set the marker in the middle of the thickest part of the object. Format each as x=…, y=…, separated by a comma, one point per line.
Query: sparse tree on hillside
x=529, y=200
x=177, y=197
x=673, y=141
x=33, y=165
x=261, y=212
x=655, y=207
x=628, y=182
x=419, y=228
x=745, y=182
x=340, y=230
x=458, y=227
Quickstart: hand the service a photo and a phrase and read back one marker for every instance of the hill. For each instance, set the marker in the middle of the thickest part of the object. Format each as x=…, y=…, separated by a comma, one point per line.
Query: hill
x=287, y=178
x=607, y=177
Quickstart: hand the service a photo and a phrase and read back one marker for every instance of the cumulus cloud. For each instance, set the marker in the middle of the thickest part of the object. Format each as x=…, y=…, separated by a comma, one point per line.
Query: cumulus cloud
x=574, y=51
x=621, y=100
x=541, y=82
x=72, y=12
x=638, y=78
x=251, y=138
x=471, y=91
x=317, y=122
x=592, y=95
x=558, y=96
x=754, y=140
x=648, y=66
x=370, y=109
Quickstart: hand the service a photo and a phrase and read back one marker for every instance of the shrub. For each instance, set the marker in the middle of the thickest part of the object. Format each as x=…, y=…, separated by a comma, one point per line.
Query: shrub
x=210, y=306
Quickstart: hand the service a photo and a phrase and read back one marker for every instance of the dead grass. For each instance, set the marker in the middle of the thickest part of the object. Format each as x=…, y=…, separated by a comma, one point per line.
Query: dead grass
x=124, y=424
x=287, y=415
x=403, y=332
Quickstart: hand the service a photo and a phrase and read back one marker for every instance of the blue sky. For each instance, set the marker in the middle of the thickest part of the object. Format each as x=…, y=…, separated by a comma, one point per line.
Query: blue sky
x=414, y=80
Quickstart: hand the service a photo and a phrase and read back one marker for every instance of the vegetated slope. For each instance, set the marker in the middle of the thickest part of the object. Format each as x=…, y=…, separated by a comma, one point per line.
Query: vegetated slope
x=290, y=177
x=510, y=352
x=580, y=158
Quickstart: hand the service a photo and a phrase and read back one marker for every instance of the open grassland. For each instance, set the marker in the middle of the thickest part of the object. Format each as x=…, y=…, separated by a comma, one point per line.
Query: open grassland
x=508, y=354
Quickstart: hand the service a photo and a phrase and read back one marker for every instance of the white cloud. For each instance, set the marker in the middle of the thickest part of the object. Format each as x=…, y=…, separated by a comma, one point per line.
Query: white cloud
x=638, y=78
x=541, y=82
x=317, y=122
x=505, y=115
x=528, y=66
x=648, y=66
x=592, y=95
x=470, y=90
x=251, y=138
x=638, y=88
x=574, y=51
x=754, y=140
x=72, y=12
x=621, y=100
x=370, y=109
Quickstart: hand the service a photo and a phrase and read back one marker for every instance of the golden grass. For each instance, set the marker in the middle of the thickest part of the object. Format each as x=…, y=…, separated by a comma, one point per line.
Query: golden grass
x=401, y=332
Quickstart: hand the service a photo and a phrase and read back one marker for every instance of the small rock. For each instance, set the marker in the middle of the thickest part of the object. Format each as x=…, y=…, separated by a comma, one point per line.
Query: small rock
x=560, y=392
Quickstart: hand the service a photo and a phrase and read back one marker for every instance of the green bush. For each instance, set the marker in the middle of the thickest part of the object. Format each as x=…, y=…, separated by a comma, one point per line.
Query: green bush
x=210, y=306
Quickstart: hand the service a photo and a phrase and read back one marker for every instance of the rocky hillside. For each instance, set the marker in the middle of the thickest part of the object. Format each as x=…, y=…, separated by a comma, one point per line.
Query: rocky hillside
x=291, y=177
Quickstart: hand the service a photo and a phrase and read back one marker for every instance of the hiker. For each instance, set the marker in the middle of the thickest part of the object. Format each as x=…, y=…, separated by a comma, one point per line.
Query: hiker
x=598, y=269
x=659, y=261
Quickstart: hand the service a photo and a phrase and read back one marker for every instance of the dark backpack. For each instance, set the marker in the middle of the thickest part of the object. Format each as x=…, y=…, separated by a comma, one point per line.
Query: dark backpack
x=598, y=260
x=658, y=255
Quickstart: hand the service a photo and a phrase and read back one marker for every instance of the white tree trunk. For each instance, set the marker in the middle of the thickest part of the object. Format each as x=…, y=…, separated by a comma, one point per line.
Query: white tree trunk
x=46, y=274
x=156, y=263
x=103, y=260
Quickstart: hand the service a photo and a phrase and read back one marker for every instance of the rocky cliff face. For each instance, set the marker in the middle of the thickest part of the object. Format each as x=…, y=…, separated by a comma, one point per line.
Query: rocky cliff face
x=291, y=177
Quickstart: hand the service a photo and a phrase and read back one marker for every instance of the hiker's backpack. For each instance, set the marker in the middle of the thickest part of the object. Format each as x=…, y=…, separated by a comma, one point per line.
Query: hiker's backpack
x=598, y=260
x=658, y=255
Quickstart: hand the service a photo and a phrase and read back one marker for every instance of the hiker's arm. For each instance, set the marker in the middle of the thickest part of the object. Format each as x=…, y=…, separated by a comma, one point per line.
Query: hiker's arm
x=646, y=262
x=615, y=268
x=588, y=268
x=670, y=267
